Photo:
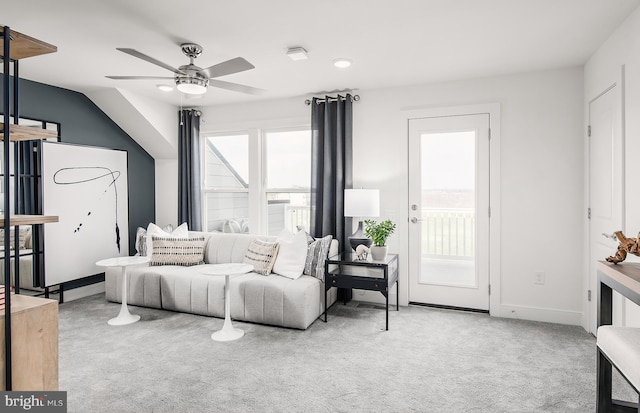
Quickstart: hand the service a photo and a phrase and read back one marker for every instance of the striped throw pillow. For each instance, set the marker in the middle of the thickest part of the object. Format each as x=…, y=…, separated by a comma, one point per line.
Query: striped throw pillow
x=262, y=255
x=177, y=251
x=316, y=256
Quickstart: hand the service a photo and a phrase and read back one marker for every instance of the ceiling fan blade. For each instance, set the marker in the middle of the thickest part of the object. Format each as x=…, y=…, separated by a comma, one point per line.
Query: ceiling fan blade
x=149, y=59
x=230, y=66
x=138, y=77
x=235, y=87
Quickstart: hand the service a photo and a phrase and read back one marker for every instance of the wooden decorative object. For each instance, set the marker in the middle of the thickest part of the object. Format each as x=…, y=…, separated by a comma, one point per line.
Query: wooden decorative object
x=627, y=246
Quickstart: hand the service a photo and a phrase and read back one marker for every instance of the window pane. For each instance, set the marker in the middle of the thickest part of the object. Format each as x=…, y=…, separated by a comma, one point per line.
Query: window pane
x=227, y=162
x=287, y=210
x=227, y=211
x=288, y=159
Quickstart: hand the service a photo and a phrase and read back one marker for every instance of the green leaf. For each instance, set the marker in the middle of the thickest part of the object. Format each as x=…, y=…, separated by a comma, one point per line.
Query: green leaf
x=379, y=232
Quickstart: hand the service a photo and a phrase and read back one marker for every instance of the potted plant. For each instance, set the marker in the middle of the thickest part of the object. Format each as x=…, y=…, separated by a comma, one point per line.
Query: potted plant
x=379, y=232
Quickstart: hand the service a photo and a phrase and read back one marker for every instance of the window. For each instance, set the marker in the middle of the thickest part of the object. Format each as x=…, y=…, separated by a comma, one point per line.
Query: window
x=226, y=181
x=277, y=162
x=288, y=179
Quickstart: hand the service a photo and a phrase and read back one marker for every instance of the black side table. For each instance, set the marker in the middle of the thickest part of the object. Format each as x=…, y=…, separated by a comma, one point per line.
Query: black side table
x=345, y=270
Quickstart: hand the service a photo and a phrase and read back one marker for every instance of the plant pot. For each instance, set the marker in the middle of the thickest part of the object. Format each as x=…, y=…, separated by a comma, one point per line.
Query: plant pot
x=378, y=253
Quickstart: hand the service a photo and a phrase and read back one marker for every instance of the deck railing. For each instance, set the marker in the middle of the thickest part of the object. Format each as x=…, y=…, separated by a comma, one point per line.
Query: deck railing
x=448, y=233
x=297, y=216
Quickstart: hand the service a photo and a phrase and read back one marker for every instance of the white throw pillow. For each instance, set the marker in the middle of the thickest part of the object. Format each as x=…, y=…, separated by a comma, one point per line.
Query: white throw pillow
x=292, y=255
x=181, y=232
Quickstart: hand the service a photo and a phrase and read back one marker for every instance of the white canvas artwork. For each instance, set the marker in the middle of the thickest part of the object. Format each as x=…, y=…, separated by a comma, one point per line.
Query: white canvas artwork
x=86, y=187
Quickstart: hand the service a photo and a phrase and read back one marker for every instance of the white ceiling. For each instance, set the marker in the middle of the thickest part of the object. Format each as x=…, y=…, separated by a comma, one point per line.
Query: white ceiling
x=391, y=43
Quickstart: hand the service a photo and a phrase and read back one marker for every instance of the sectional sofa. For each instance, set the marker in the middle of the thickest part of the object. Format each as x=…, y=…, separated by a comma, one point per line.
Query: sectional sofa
x=270, y=299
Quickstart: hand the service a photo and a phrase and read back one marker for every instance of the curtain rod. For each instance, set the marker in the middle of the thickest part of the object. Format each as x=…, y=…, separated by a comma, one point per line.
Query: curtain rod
x=354, y=98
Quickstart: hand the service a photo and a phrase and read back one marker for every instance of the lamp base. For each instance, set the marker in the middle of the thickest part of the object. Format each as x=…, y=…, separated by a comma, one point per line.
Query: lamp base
x=358, y=238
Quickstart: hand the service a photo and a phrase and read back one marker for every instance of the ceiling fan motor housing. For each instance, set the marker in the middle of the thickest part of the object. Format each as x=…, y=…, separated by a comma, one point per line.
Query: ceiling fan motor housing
x=193, y=81
x=192, y=50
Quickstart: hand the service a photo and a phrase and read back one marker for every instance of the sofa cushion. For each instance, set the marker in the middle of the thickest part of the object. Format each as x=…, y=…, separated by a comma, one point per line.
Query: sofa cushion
x=24, y=235
x=226, y=248
x=262, y=255
x=317, y=253
x=141, y=239
x=276, y=300
x=143, y=285
x=182, y=232
x=177, y=251
x=292, y=253
x=186, y=289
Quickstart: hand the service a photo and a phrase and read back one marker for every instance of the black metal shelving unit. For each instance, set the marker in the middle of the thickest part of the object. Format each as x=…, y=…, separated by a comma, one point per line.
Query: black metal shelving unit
x=15, y=46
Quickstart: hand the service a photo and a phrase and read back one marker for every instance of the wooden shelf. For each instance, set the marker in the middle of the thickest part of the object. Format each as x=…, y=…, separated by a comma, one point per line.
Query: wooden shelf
x=34, y=344
x=26, y=133
x=29, y=219
x=23, y=46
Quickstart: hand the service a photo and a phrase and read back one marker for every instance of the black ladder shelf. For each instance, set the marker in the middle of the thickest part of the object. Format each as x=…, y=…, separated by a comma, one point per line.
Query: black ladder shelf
x=15, y=46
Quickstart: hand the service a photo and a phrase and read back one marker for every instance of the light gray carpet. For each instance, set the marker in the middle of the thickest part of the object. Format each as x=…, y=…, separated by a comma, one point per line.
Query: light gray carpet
x=430, y=360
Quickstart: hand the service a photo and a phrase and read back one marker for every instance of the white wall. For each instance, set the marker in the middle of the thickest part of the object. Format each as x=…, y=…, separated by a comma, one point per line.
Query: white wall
x=621, y=54
x=541, y=179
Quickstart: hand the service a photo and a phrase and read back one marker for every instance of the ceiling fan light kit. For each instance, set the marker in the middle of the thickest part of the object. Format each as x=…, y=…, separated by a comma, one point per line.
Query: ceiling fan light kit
x=191, y=79
x=191, y=85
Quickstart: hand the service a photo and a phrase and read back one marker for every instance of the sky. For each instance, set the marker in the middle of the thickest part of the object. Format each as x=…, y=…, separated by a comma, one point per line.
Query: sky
x=288, y=157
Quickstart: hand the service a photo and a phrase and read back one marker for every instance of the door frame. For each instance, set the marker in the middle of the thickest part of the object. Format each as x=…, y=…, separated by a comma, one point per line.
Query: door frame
x=591, y=288
x=493, y=110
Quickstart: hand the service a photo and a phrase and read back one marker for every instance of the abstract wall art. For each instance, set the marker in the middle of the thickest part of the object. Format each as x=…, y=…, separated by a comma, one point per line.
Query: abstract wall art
x=86, y=187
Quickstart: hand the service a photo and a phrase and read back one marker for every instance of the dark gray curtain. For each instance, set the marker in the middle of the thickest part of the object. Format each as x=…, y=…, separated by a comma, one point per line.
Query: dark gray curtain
x=189, y=191
x=331, y=169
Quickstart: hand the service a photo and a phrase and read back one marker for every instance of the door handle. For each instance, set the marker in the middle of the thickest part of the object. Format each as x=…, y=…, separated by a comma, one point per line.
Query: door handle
x=612, y=236
x=416, y=220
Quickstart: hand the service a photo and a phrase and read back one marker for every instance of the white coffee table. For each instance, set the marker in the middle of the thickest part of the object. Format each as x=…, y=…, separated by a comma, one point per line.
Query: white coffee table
x=125, y=317
x=228, y=332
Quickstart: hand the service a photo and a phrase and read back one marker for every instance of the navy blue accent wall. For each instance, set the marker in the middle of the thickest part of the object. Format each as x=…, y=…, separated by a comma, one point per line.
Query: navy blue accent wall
x=82, y=122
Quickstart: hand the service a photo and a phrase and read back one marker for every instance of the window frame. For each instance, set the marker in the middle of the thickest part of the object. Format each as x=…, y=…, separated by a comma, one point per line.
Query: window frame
x=257, y=188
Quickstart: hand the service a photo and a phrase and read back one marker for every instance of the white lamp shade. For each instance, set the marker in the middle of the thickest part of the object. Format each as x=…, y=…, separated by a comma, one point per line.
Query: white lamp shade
x=361, y=203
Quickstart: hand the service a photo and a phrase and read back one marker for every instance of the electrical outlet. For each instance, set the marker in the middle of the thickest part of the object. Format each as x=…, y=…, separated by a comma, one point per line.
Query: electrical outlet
x=538, y=277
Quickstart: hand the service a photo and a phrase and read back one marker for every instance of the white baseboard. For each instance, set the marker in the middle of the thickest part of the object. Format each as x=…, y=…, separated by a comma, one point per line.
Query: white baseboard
x=547, y=315
x=85, y=291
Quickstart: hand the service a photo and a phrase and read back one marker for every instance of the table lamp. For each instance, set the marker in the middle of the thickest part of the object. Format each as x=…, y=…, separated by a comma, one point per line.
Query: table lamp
x=361, y=203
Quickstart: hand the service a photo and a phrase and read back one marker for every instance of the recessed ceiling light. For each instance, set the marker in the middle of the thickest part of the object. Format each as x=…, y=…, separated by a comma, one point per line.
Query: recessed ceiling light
x=165, y=88
x=342, y=63
x=297, y=53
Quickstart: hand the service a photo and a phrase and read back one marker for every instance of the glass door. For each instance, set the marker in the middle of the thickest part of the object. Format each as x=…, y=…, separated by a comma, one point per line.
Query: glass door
x=449, y=211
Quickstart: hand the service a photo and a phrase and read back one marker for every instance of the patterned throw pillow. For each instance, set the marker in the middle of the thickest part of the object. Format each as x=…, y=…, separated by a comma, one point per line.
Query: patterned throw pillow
x=141, y=239
x=316, y=256
x=262, y=255
x=153, y=230
x=24, y=234
x=177, y=251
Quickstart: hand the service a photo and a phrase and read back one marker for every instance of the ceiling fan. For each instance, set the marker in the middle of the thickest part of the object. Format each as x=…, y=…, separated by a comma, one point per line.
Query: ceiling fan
x=193, y=80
